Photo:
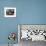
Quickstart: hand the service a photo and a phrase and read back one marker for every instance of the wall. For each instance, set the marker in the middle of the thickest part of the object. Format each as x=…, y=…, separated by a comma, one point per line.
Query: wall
x=28, y=12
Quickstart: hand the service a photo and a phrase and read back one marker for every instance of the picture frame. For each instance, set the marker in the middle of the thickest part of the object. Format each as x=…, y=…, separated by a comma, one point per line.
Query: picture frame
x=39, y=35
x=9, y=12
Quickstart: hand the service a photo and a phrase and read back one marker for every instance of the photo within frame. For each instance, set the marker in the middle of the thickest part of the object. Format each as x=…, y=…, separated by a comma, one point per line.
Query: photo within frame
x=9, y=12
x=32, y=32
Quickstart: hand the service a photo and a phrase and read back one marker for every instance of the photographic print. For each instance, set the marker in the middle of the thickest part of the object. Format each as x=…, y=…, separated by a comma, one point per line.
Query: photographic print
x=9, y=12
x=32, y=32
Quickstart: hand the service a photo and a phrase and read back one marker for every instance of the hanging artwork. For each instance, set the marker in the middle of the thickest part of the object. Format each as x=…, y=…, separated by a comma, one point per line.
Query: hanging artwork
x=9, y=12
x=32, y=32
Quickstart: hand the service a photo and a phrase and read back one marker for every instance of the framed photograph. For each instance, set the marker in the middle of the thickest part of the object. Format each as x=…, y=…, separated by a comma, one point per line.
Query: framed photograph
x=33, y=32
x=9, y=12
